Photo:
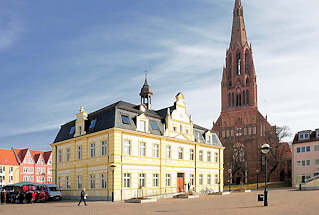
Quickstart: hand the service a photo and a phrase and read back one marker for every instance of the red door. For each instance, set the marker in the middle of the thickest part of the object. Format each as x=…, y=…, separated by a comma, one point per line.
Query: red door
x=180, y=182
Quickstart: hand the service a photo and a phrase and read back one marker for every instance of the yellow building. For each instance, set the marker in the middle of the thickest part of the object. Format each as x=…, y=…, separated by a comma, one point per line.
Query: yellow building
x=9, y=167
x=126, y=150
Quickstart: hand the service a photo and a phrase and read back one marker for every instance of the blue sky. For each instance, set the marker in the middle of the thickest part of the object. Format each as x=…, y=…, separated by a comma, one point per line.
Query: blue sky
x=58, y=55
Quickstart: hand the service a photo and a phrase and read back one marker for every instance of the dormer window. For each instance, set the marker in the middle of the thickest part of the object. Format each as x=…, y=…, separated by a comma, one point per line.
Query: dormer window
x=208, y=140
x=214, y=139
x=125, y=119
x=92, y=125
x=141, y=125
x=72, y=130
x=317, y=133
x=154, y=125
x=305, y=135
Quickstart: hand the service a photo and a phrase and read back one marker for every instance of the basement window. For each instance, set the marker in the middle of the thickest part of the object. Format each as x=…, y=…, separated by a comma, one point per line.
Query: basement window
x=125, y=119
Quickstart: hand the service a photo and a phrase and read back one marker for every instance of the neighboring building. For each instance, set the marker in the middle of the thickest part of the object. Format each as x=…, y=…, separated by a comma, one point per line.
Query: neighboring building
x=34, y=166
x=132, y=150
x=241, y=127
x=305, y=158
x=9, y=167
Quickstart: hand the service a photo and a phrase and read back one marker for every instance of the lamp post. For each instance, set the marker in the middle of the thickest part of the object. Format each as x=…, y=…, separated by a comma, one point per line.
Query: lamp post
x=229, y=171
x=265, y=150
x=112, y=166
x=257, y=174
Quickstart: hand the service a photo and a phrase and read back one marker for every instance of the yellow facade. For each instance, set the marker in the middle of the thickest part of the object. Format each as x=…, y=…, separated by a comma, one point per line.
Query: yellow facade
x=134, y=163
x=9, y=174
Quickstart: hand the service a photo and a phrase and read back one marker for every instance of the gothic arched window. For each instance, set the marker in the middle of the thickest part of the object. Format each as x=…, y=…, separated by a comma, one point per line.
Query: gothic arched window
x=238, y=64
x=237, y=98
x=244, y=98
x=247, y=97
x=247, y=81
x=247, y=62
x=233, y=102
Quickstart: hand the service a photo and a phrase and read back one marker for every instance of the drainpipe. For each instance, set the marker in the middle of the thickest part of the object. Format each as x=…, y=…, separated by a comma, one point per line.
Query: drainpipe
x=56, y=164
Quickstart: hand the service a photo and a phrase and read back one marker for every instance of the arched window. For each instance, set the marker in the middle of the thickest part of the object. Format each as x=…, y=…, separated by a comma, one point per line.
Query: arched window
x=239, y=99
x=238, y=62
x=247, y=81
x=229, y=100
x=233, y=102
x=237, y=102
x=247, y=97
x=229, y=68
x=247, y=62
x=244, y=98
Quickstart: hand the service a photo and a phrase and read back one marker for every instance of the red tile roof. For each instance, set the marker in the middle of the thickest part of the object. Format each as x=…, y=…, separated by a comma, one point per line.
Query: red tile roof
x=21, y=153
x=7, y=157
x=46, y=156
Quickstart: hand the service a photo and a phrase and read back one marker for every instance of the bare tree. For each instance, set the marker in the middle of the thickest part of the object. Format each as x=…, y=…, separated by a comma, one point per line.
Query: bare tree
x=276, y=156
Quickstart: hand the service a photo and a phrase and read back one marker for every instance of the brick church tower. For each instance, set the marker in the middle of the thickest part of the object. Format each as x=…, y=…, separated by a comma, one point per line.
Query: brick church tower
x=240, y=126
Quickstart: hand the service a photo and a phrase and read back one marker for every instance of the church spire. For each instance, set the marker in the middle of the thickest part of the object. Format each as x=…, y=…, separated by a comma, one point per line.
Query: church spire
x=238, y=36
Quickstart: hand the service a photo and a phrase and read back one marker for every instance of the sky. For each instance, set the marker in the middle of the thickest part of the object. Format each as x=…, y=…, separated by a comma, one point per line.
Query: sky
x=56, y=56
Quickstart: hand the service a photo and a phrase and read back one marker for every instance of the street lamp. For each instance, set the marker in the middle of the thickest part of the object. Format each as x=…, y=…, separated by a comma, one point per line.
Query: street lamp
x=112, y=166
x=257, y=173
x=265, y=150
x=230, y=172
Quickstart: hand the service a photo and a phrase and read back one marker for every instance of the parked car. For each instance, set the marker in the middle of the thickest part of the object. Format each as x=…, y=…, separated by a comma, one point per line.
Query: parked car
x=54, y=192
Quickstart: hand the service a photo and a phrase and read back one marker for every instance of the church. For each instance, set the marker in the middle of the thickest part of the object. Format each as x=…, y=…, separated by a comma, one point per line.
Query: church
x=241, y=127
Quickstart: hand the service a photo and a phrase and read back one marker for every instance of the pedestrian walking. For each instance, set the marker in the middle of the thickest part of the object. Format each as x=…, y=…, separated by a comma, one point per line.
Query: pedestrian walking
x=83, y=197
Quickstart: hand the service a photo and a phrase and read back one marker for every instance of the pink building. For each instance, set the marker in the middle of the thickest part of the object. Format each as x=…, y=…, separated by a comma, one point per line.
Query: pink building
x=305, y=156
x=34, y=166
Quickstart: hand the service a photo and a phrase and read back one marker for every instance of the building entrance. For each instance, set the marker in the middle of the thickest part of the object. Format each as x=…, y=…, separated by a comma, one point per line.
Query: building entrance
x=180, y=182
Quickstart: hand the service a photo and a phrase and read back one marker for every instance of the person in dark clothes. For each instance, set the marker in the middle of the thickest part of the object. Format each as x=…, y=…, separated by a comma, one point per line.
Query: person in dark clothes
x=83, y=197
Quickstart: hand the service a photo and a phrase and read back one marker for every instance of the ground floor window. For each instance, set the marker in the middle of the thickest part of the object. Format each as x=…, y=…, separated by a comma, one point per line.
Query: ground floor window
x=216, y=179
x=155, y=180
x=209, y=179
x=168, y=180
x=92, y=181
x=127, y=178
x=103, y=181
x=200, y=179
x=142, y=180
x=192, y=180
x=79, y=182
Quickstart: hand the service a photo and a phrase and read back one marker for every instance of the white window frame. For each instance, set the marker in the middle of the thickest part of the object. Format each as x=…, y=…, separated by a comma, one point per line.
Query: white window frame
x=168, y=151
x=103, y=181
x=155, y=180
x=127, y=147
x=168, y=180
x=142, y=149
x=200, y=180
x=156, y=150
x=103, y=148
x=200, y=155
x=191, y=154
x=142, y=180
x=92, y=150
x=180, y=153
x=127, y=180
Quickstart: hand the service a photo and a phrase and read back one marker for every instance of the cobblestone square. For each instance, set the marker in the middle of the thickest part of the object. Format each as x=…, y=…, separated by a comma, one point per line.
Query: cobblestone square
x=280, y=202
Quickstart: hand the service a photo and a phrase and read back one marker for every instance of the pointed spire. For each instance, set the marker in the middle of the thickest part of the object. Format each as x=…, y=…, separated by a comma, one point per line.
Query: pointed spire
x=145, y=82
x=239, y=35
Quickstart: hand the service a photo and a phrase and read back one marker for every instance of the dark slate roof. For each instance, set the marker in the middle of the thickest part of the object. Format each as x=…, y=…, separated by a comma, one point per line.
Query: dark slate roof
x=313, y=137
x=111, y=117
